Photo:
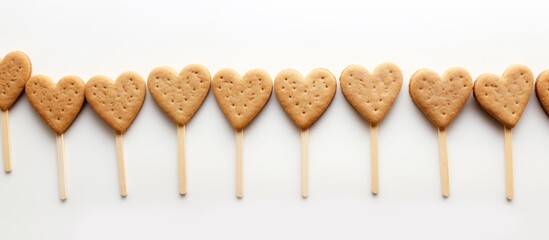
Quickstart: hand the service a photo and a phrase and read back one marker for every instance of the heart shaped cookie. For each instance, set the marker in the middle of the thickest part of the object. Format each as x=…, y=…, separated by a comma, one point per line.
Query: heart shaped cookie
x=116, y=103
x=371, y=94
x=441, y=98
x=542, y=90
x=179, y=95
x=305, y=99
x=59, y=104
x=241, y=98
x=505, y=97
x=15, y=71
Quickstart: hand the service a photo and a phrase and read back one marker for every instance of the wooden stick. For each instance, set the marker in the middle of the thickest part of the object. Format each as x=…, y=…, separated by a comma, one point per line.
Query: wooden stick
x=63, y=193
x=121, y=167
x=239, y=163
x=6, y=141
x=305, y=163
x=443, y=158
x=181, y=160
x=374, y=159
x=508, y=137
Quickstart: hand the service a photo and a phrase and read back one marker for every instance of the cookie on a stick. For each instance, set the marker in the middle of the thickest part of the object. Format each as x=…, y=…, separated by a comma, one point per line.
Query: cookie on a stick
x=15, y=71
x=304, y=100
x=505, y=99
x=117, y=103
x=372, y=95
x=441, y=99
x=241, y=99
x=58, y=105
x=180, y=96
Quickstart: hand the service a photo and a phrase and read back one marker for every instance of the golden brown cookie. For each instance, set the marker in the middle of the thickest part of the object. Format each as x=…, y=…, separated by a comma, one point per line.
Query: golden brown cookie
x=15, y=71
x=505, y=98
x=179, y=95
x=371, y=94
x=542, y=90
x=59, y=104
x=241, y=98
x=117, y=103
x=441, y=98
x=305, y=99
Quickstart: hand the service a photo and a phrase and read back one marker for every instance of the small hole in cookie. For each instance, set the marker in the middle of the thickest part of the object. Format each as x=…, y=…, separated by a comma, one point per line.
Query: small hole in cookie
x=381, y=100
x=185, y=99
x=282, y=87
x=310, y=103
x=322, y=77
x=245, y=105
x=285, y=79
x=180, y=109
x=156, y=78
x=156, y=86
x=443, y=113
x=220, y=77
x=232, y=104
x=351, y=74
x=451, y=79
x=290, y=96
x=173, y=101
x=119, y=118
x=460, y=76
x=375, y=110
x=513, y=113
x=303, y=113
x=521, y=73
x=62, y=109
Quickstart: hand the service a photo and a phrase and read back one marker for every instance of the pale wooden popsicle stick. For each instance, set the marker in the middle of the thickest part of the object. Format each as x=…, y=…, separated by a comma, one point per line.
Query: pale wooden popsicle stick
x=443, y=158
x=121, y=167
x=508, y=140
x=239, y=164
x=374, y=159
x=181, y=160
x=63, y=193
x=6, y=141
x=305, y=163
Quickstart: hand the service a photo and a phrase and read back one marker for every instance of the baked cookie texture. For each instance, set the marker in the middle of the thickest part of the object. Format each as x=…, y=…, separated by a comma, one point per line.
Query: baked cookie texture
x=179, y=95
x=305, y=99
x=506, y=97
x=15, y=71
x=117, y=103
x=371, y=94
x=542, y=90
x=241, y=99
x=441, y=98
x=57, y=104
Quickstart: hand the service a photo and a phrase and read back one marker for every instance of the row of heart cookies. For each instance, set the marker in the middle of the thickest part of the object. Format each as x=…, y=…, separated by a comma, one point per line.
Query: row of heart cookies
x=241, y=99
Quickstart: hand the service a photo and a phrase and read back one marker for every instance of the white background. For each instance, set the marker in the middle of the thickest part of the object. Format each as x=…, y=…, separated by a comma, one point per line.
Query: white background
x=107, y=37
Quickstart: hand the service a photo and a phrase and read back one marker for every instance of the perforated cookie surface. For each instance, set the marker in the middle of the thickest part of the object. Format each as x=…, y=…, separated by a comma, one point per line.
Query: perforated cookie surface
x=179, y=95
x=57, y=104
x=371, y=94
x=305, y=99
x=441, y=98
x=241, y=98
x=15, y=71
x=116, y=103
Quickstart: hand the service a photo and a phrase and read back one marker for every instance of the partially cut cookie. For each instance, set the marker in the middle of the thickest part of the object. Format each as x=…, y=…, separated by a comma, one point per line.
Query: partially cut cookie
x=116, y=103
x=15, y=71
x=57, y=104
x=305, y=99
x=506, y=97
x=542, y=90
x=441, y=98
x=371, y=94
